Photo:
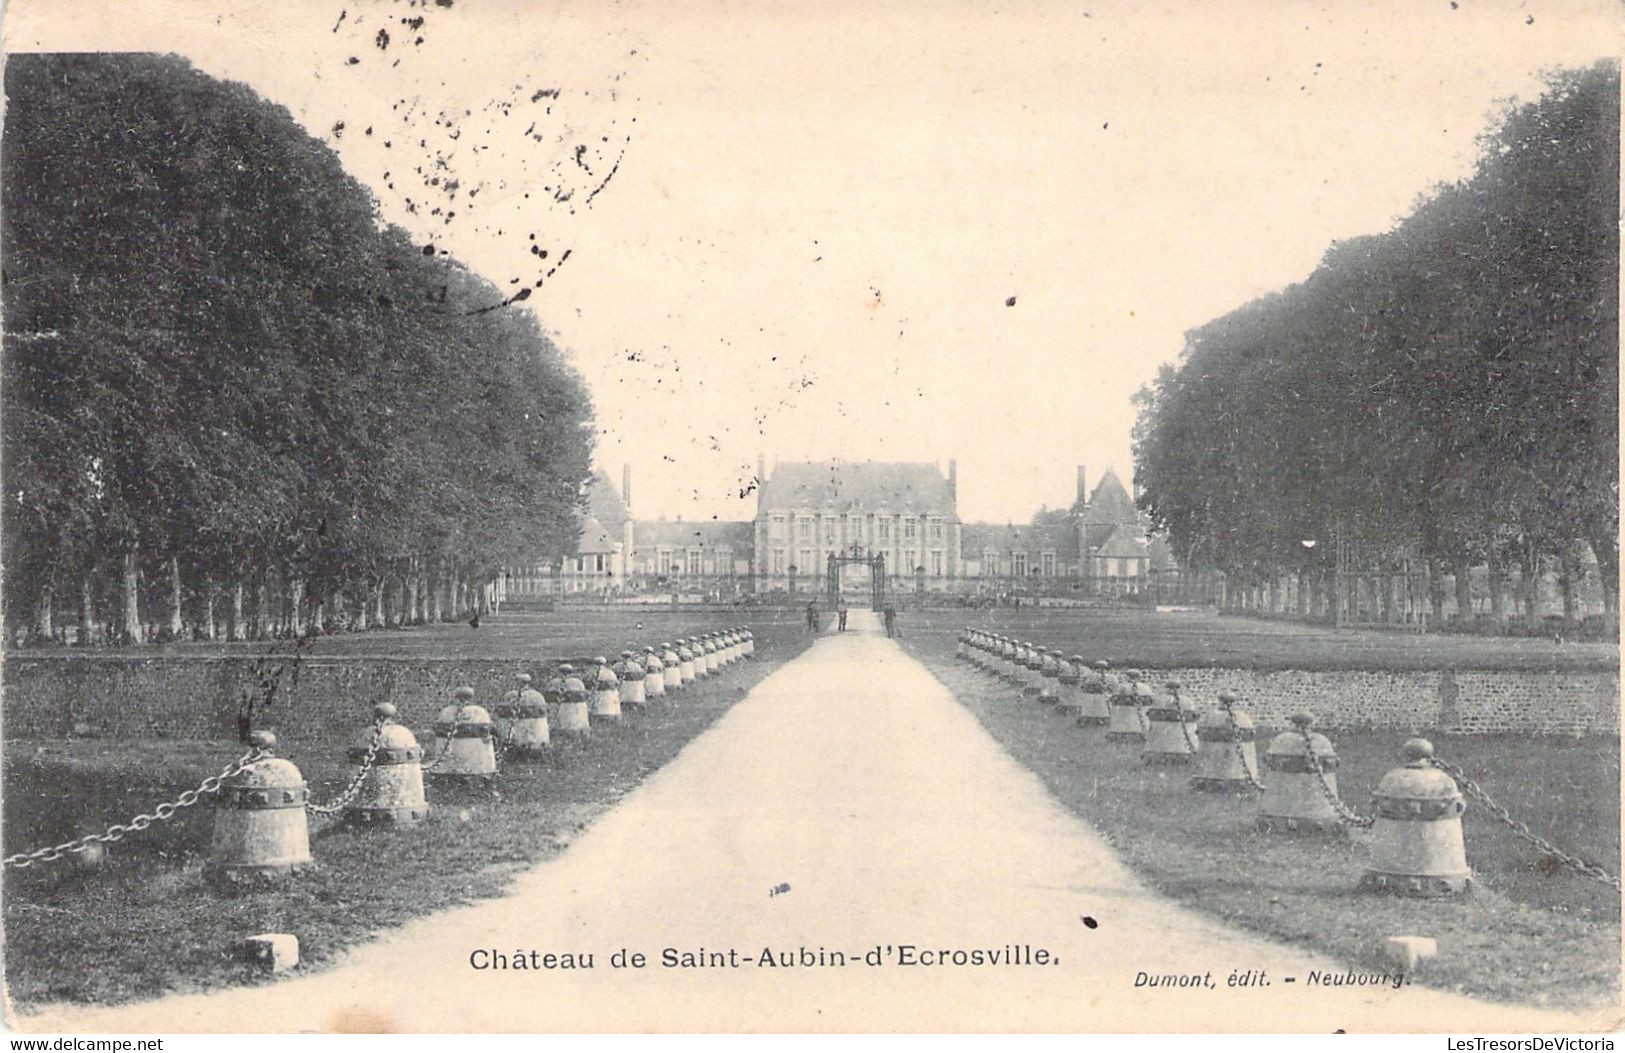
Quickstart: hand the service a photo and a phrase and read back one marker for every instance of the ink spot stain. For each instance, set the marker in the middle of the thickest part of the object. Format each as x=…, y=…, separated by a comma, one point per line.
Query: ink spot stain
x=1089, y=922
x=1009, y=301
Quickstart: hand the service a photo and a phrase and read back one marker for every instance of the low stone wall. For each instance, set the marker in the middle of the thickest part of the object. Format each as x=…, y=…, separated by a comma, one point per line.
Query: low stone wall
x=1460, y=701
x=197, y=698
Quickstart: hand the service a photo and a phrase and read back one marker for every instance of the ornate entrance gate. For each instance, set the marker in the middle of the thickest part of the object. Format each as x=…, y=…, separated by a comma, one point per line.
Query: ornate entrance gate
x=877, y=575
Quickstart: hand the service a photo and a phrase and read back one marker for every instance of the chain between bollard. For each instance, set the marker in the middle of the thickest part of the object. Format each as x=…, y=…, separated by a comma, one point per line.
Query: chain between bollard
x=445, y=750
x=1345, y=814
x=1521, y=830
x=162, y=813
x=1241, y=752
x=354, y=788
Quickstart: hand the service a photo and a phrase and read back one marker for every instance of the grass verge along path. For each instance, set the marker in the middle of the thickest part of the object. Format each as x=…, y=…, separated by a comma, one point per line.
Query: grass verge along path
x=144, y=925
x=1530, y=932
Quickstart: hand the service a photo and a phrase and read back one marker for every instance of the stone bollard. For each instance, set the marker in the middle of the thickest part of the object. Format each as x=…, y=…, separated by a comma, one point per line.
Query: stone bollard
x=1030, y=676
x=569, y=699
x=1069, y=676
x=750, y=643
x=654, y=675
x=606, y=692
x=1416, y=841
x=1228, y=759
x=392, y=792
x=1126, y=721
x=1049, y=672
x=1407, y=953
x=1299, y=793
x=685, y=657
x=261, y=836
x=707, y=655
x=521, y=720
x=631, y=673
x=1095, y=689
x=272, y=952
x=674, y=667
x=465, y=750
x=1170, y=730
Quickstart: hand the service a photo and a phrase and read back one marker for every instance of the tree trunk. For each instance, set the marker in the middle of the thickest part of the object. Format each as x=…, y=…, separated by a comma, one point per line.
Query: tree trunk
x=236, y=628
x=262, y=617
x=1497, y=583
x=176, y=620
x=412, y=593
x=378, y=601
x=1530, y=566
x=361, y=619
x=1570, y=576
x=1464, y=593
x=296, y=602
x=208, y=607
x=87, y=613
x=437, y=591
x=1607, y=572
x=44, y=621
x=133, y=628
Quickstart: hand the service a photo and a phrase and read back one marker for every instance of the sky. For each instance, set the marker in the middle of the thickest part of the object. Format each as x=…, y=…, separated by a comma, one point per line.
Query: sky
x=906, y=231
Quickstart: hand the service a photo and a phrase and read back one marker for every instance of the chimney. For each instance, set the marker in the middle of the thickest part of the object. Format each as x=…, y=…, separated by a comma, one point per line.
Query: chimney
x=1083, y=485
x=953, y=479
x=626, y=487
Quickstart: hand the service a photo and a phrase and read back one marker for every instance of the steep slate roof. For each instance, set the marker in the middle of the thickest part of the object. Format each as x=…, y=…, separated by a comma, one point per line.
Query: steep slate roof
x=681, y=533
x=867, y=486
x=1123, y=544
x=1111, y=503
x=594, y=538
x=604, y=503
x=1060, y=538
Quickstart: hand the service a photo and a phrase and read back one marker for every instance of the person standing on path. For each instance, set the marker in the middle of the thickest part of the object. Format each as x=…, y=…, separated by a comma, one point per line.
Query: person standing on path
x=840, y=614
x=812, y=617
x=891, y=621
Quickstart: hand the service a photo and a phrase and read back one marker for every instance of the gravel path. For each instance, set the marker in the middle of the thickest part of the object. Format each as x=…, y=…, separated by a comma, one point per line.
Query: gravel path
x=847, y=804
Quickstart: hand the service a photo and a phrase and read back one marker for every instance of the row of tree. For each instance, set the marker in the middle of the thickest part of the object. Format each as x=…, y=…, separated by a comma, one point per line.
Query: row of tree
x=232, y=393
x=1445, y=392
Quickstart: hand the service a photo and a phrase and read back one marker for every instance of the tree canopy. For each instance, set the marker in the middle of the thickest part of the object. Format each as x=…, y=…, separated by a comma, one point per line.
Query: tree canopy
x=219, y=357
x=1448, y=388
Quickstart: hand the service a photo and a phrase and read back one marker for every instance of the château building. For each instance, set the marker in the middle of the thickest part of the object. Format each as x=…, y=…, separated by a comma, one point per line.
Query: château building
x=905, y=513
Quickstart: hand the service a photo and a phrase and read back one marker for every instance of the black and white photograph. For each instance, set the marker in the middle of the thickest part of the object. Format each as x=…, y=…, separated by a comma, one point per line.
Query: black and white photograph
x=779, y=517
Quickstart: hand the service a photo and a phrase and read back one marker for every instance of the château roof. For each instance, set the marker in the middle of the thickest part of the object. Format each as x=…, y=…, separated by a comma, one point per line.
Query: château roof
x=1060, y=538
x=1124, y=543
x=857, y=486
x=595, y=538
x=681, y=533
x=604, y=502
x=1111, y=503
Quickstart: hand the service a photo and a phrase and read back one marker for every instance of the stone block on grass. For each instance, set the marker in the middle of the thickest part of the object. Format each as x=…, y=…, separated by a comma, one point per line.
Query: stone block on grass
x=274, y=952
x=1406, y=953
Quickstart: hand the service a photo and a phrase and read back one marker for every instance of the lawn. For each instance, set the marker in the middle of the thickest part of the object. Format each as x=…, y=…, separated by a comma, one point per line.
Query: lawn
x=515, y=633
x=1200, y=640
x=143, y=924
x=1531, y=931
